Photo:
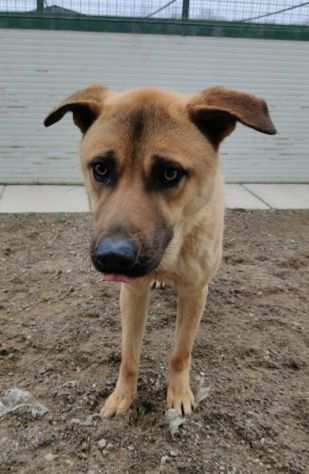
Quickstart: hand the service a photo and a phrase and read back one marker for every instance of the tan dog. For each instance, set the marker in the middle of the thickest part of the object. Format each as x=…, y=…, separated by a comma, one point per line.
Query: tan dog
x=152, y=173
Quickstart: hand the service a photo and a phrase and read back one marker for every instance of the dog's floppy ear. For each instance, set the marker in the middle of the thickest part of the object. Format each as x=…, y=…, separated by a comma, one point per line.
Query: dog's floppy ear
x=85, y=105
x=215, y=112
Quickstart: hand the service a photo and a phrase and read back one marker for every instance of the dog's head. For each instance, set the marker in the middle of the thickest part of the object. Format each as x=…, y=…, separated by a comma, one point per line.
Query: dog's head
x=149, y=160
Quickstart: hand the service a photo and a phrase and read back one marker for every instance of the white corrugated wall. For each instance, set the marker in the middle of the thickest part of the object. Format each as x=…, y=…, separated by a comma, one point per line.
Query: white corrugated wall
x=39, y=68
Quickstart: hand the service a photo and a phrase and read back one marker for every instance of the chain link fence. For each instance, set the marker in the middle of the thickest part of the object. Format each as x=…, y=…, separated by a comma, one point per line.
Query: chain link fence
x=281, y=12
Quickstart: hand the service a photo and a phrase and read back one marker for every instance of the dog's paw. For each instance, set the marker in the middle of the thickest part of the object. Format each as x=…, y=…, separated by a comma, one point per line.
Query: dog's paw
x=117, y=403
x=181, y=399
x=158, y=284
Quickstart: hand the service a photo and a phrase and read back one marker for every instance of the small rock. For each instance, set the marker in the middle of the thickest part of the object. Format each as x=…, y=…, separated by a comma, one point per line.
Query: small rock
x=84, y=446
x=70, y=383
x=50, y=457
x=174, y=420
x=173, y=453
x=89, y=421
x=75, y=421
x=38, y=411
x=102, y=443
x=164, y=460
x=15, y=399
x=203, y=391
x=131, y=447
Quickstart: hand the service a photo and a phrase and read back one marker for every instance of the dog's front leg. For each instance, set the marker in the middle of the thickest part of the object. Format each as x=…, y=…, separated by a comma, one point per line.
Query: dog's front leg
x=133, y=308
x=191, y=303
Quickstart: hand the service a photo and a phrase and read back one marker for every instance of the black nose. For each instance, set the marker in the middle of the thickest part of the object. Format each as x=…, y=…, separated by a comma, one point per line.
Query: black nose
x=115, y=255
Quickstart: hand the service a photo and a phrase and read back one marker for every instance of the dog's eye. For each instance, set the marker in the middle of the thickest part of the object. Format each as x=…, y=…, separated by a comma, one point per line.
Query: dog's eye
x=170, y=176
x=100, y=170
x=104, y=171
x=165, y=174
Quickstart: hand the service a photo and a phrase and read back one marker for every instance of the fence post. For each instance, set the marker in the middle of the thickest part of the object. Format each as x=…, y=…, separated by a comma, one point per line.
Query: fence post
x=40, y=6
x=185, y=9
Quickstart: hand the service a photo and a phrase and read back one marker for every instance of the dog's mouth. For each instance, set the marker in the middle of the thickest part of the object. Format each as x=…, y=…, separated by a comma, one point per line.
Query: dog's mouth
x=114, y=273
x=117, y=278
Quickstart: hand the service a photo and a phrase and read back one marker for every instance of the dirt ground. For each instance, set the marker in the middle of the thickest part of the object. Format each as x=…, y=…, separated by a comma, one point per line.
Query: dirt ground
x=59, y=340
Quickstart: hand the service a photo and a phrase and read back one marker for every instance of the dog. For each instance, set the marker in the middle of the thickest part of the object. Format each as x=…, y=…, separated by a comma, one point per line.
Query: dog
x=151, y=170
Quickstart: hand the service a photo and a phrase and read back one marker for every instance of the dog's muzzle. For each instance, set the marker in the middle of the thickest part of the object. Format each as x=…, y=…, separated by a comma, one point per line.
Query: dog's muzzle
x=117, y=254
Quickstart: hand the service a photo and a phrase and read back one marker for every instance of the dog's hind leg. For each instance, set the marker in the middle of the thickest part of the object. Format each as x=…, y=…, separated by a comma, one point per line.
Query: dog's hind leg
x=191, y=303
x=133, y=306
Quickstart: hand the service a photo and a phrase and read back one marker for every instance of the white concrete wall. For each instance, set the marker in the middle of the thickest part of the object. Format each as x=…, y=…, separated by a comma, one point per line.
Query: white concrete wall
x=39, y=68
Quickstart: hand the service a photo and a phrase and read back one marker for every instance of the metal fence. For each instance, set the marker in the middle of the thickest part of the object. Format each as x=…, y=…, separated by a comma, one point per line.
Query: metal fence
x=282, y=12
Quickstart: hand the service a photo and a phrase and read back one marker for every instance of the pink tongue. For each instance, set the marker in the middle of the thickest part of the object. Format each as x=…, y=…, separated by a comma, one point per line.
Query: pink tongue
x=115, y=278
